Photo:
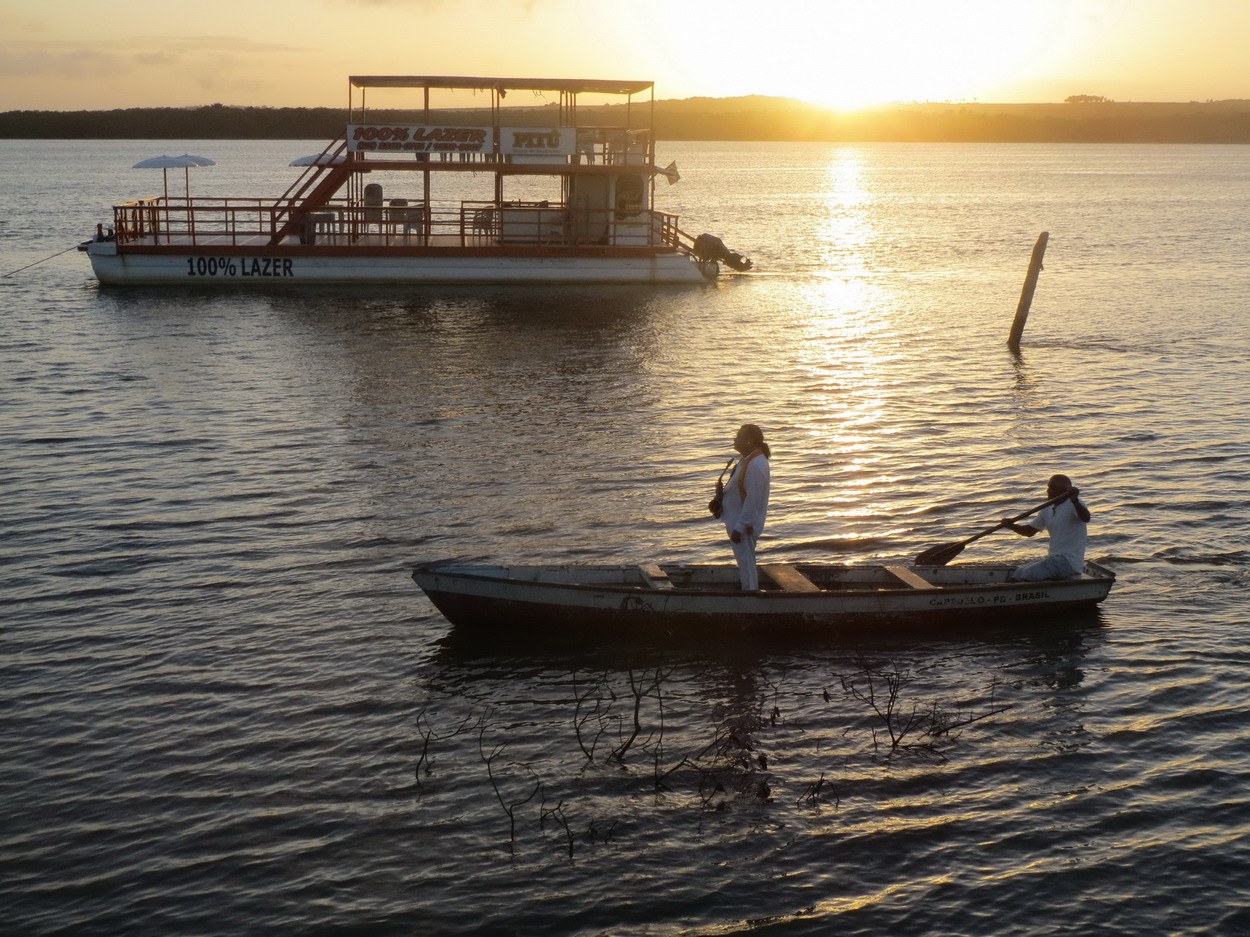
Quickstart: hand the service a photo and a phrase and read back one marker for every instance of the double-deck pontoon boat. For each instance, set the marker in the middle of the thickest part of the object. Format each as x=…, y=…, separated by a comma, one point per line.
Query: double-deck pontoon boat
x=400, y=202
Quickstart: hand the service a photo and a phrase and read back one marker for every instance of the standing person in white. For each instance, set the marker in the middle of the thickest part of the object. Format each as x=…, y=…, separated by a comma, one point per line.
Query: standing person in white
x=1068, y=523
x=746, y=501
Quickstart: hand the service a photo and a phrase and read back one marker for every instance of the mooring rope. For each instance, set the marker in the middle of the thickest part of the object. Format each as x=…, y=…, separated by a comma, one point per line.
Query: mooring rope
x=37, y=262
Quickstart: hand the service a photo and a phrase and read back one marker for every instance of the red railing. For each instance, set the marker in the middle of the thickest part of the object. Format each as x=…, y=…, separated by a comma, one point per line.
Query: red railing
x=206, y=223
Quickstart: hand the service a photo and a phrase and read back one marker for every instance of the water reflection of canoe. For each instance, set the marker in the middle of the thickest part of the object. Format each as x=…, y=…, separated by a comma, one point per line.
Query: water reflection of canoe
x=706, y=600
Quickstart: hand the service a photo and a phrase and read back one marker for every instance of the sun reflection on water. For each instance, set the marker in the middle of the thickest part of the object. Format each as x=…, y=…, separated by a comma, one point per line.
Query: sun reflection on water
x=846, y=232
x=853, y=337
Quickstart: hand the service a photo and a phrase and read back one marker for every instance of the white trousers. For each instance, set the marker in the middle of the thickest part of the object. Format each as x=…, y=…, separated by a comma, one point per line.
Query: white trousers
x=744, y=553
x=1048, y=567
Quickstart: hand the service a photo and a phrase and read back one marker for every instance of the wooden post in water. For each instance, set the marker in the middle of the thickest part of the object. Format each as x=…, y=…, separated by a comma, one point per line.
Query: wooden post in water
x=1026, y=294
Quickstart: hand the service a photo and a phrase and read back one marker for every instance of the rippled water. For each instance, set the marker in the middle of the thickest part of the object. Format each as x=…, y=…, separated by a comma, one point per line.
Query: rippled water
x=225, y=708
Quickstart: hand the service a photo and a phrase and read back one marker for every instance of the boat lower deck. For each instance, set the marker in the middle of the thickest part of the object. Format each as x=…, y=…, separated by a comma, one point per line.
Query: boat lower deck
x=210, y=241
x=208, y=224
x=382, y=237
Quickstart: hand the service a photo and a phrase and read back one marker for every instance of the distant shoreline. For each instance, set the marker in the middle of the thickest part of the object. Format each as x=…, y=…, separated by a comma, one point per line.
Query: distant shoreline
x=753, y=118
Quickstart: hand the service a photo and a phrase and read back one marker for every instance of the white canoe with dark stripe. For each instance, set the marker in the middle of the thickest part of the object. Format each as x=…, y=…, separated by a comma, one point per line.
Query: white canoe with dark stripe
x=706, y=600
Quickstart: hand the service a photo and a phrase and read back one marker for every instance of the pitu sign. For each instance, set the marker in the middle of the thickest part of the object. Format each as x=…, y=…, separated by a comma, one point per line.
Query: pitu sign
x=536, y=141
x=529, y=142
x=405, y=139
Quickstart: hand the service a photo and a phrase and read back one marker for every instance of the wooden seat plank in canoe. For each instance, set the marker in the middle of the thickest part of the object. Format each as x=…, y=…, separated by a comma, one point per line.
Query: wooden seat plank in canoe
x=905, y=574
x=655, y=577
x=788, y=578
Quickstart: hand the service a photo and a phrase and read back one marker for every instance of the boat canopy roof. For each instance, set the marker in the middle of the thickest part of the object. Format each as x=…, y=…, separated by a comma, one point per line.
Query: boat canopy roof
x=563, y=85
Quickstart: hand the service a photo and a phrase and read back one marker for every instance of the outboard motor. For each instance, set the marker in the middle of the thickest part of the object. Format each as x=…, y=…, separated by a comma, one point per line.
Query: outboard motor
x=709, y=247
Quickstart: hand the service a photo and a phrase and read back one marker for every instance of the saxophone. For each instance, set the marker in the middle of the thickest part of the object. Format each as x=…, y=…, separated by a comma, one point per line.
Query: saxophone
x=715, y=505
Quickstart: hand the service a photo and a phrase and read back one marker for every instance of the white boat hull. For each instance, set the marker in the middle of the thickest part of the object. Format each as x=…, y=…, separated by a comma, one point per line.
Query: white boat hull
x=295, y=267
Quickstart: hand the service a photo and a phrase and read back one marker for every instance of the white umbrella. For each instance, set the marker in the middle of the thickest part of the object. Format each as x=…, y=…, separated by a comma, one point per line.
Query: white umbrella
x=320, y=159
x=184, y=162
x=166, y=163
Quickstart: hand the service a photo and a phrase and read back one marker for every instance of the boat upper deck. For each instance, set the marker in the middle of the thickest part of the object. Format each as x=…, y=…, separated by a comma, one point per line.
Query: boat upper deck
x=504, y=85
x=550, y=134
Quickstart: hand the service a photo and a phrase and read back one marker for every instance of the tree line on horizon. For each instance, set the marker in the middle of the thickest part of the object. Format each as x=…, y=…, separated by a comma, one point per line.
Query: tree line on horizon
x=1082, y=119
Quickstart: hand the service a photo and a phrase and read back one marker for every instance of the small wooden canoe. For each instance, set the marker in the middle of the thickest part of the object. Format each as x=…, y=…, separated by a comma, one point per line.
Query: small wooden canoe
x=695, y=600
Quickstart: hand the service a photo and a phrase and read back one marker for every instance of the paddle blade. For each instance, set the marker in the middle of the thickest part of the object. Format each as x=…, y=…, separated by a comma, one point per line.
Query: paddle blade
x=940, y=555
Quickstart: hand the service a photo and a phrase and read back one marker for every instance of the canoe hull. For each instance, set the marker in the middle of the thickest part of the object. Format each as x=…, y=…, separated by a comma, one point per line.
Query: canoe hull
x=539, y=601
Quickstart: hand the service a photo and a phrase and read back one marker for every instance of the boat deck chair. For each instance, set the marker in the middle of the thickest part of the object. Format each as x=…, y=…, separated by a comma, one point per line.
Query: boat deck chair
x=484, y=223
x=372, y=200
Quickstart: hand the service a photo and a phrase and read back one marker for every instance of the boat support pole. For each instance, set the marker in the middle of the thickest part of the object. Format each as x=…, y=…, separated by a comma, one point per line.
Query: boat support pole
x=1026, y=294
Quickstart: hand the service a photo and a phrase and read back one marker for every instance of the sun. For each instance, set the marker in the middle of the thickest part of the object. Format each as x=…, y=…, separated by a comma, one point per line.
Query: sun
x=849, y=56
x=913, y=52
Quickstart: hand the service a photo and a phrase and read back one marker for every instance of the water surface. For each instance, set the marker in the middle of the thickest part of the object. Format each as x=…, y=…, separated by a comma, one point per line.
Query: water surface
x=225, y=708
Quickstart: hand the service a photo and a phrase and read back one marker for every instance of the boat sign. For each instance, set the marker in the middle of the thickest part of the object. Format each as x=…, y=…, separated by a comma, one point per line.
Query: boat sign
x=534, y=141
x=240, y=267
x=418, y=139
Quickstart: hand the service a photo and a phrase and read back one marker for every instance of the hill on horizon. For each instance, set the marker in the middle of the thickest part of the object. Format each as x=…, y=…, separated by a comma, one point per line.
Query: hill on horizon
x=750, y=117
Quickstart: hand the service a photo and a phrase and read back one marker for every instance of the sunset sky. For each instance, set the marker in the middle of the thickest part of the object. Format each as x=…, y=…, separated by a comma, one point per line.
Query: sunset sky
x=85, y=54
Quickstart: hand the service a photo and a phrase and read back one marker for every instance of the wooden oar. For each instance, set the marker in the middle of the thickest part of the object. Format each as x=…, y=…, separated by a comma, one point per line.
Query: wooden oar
x=945, y=552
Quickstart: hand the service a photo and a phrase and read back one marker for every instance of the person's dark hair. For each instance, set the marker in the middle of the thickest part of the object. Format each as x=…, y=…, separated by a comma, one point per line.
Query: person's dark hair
x=755, y=435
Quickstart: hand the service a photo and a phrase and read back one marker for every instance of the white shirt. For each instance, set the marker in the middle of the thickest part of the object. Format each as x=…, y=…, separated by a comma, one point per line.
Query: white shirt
x=740, y=514
x=1067, y=531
